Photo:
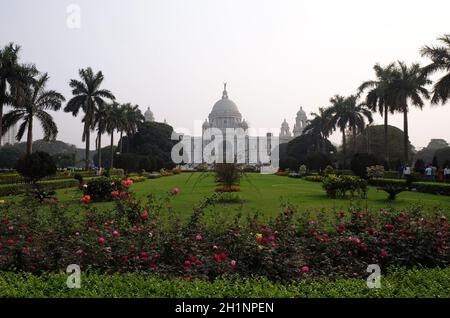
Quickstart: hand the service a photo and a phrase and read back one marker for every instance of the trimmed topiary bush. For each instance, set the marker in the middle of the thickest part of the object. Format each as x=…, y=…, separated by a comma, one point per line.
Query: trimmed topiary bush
x=36, y=166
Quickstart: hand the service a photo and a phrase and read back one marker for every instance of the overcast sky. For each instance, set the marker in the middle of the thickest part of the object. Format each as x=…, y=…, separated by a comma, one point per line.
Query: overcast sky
x=276, y=55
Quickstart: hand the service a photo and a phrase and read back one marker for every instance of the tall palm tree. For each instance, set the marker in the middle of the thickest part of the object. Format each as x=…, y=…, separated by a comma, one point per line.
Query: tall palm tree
x=34, y=102
x=319, y=127
x=358, y=113
x=440, y=57
x=113, y=117
x=100, y=122
x=12, y=76
x=88, y=97
x=409, y=86
x=347, y=112
x=133, y=117
x=377, y=98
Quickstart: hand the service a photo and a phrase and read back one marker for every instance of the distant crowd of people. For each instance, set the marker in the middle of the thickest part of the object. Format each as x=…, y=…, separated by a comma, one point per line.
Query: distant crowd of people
x=431, y=173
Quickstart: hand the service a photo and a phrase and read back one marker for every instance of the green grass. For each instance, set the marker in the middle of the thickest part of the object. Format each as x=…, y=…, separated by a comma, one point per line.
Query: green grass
x=264, y=193
x=428, y=283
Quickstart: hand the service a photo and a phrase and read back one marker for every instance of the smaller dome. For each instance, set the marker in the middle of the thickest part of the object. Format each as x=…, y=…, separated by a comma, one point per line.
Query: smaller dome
x=205, y=124
x=148, y=115
x=301, y=112
x=244, y=124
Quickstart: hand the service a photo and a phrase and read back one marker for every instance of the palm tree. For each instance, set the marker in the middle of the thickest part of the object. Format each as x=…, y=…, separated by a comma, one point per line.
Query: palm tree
x=409, y=86
x=100, y=122
x=319, y=127
x=34, y=102
x=12, y=75
x=440, y=57
x=133, y=117
x=88, y=97
x=358, y=112
x=347, y=112
x=377, y=98
x=113, y=117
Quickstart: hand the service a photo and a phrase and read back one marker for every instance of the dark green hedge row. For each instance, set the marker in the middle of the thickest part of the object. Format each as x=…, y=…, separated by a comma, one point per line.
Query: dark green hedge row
x=8, y=189
x=426, y=187
x=397, y=283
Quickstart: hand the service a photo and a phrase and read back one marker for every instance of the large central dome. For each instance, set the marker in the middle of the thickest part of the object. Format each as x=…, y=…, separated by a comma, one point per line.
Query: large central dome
x=225, y=114
x=225, y=107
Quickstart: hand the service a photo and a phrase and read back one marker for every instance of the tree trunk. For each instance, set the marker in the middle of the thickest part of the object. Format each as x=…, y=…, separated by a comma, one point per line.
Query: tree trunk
x=99, y=151
x=121, y=141
x=111, y=163
x=386, y=147
x=344, y=147
x=2, y=93
x=405, y=136
x=30, y=137
x=88, y=140
x=354, y=139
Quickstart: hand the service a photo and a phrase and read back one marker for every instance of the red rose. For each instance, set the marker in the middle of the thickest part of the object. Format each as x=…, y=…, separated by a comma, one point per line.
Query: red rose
x=305, y=269
x=101, y=240
x=175, y=191
x=115, y=193
x=384, y=253
x=115, y=234
x=29, y=239
x=389, y=227
x=10, y=242
x=144, y=216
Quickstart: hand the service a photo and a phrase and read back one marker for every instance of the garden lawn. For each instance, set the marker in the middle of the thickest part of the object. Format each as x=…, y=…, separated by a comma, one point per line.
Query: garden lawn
x=427, y=283
x=265, y=193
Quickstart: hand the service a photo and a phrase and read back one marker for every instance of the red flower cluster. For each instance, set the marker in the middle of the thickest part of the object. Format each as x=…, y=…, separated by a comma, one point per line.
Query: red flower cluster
x=86, y=199
x=127, y=183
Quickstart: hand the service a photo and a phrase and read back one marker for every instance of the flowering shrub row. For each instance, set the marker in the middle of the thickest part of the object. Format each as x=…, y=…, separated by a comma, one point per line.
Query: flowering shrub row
x=339, y=185
x=104, y=188
x=137, y=236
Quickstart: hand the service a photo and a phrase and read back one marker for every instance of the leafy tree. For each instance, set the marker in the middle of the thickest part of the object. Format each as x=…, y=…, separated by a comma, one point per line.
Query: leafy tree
x=88, y=97
x=9, y=155
x=33, y=102
x=36, y=166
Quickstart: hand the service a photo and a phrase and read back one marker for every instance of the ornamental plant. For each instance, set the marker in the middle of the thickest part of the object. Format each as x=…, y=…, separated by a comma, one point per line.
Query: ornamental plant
x=104, y=188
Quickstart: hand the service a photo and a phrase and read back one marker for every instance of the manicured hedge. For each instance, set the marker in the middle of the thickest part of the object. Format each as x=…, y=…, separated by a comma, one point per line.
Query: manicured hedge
x=8, y=189
x=428, y=283
x=426, y=187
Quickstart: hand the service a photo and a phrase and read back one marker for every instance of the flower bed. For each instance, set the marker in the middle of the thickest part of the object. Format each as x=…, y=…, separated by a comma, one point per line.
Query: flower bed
x=313, y=178
x=133, y=236
x=228, y=188
x=14, y=189
x=338, y=186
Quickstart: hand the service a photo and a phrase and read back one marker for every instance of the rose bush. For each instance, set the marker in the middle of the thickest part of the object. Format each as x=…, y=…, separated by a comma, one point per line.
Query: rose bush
x=147, y=236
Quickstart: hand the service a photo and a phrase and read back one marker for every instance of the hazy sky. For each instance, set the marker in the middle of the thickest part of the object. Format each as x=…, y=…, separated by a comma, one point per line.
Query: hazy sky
x=276, y=55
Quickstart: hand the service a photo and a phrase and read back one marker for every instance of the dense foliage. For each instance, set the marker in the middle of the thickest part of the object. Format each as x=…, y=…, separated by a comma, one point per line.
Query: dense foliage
x=340, y=185
x=36, y=166
x=398, y=283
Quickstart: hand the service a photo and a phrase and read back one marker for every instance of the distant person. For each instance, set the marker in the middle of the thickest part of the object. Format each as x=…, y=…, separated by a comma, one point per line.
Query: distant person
x=447, y=174
x=428, y=173
x=434, y=173
x=407, y=171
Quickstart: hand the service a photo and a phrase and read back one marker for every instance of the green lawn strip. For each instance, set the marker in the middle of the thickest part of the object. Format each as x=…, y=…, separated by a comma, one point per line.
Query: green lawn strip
x=428, y=283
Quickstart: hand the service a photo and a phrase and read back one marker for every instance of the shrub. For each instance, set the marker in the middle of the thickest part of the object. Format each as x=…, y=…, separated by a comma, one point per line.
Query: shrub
x=328, y=170
x=136, y=179
x=36, y=166
x=338, y=186
x=136, y=236
x=101, y=189
x=360, y=162
x=375, y=172
x=229, y=173
x=314, y=178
